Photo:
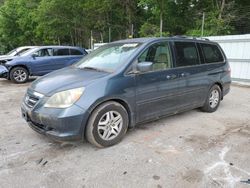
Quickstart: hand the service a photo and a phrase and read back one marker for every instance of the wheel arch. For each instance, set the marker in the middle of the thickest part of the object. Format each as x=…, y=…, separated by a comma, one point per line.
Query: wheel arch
x=115, y=99
x=23, y=66
x=221, y=88
x=126, y=106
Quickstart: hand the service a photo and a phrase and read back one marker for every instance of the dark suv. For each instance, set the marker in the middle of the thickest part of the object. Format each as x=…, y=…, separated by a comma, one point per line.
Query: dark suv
x=125, y=83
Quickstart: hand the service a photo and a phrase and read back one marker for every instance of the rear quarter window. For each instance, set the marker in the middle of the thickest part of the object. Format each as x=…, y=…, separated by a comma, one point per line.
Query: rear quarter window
x=211, y=53
x=75, y=52
x=61, y=52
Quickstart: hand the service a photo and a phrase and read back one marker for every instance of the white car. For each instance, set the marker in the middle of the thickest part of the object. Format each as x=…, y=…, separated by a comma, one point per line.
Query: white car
x=17, y=51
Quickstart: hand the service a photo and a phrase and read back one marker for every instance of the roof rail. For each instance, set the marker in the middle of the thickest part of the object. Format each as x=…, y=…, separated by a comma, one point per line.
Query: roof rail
x=181, y=36
x=190, y=37
x=203, y=38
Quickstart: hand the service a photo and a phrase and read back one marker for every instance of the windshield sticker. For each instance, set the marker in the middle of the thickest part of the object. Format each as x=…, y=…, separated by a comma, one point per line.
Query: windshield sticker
x=130, y=45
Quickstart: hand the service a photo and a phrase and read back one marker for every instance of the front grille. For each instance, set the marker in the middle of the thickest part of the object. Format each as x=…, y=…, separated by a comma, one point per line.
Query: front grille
x=31, y=100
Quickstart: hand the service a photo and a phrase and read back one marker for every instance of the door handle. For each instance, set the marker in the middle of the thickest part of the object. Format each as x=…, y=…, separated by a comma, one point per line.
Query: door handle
x=184, y=74
x=171, y=76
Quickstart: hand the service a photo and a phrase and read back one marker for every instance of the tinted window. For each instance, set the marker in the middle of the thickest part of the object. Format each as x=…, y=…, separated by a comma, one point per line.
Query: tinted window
x=61, y=52
x=159, y=55
x=211, y=53
x=75, y=52
x=186, y=54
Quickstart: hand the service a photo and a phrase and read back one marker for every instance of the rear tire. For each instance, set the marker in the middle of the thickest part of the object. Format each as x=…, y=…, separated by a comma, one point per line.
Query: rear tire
x=107, y=125
x=19, y=75
x=213, y=99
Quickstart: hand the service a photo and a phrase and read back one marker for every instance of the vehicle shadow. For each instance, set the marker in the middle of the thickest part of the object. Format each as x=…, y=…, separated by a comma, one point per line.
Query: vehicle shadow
x=157, y=124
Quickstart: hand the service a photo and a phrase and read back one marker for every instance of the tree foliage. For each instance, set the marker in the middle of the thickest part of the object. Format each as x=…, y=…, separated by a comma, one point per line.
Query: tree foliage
x=39, y=22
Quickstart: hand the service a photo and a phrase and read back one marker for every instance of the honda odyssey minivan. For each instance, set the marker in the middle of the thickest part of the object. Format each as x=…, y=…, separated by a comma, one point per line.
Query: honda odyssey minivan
x=125, y=83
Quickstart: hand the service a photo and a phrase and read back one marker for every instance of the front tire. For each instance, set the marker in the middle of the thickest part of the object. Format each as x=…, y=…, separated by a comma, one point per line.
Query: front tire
x=19, y=75
x=107, y=125
x=213, y=99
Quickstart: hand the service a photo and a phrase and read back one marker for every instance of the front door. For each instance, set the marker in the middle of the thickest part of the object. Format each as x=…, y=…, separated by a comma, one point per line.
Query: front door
x=156, y=90
x=41, y=62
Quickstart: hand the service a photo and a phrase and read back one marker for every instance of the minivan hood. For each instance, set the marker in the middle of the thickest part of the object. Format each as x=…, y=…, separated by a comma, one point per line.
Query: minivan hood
x=64, y=79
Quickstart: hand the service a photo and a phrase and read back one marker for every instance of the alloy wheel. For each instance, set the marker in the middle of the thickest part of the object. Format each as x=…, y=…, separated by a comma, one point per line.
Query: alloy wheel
x=214, y=98
x=110, y=125
x=20, y=75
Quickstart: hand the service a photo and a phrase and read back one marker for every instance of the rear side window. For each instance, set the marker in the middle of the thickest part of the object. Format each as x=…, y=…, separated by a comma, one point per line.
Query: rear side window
x=186, y=54
x=75, y=52
x=212, y=53
x=61, y=52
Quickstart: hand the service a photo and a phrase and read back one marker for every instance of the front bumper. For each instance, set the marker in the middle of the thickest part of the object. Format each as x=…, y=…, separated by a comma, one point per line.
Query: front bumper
x=58, y=124
x=3, y=71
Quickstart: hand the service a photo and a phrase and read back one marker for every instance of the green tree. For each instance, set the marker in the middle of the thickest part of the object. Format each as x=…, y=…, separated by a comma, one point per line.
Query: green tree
x=174, y=17
x=39, y=22
x=59, y=22
x=157, y=8
x=219, y=15
x=17, y=24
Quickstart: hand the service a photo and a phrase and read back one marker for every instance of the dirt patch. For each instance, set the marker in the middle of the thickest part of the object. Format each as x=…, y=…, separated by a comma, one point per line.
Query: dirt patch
x=193, y=175
x=207, y=142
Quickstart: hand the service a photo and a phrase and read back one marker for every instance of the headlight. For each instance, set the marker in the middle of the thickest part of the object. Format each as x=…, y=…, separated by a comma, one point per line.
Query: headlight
x=64, y=99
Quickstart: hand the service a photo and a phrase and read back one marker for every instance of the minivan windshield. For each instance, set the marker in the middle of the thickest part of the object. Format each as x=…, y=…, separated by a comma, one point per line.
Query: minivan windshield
x=109, y=57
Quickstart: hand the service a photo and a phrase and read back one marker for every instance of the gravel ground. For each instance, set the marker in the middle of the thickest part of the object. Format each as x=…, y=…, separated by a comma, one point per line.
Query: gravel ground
x=192, y=149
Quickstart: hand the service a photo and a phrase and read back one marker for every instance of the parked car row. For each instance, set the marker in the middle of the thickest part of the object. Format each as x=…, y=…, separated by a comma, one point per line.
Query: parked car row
x=23, y=62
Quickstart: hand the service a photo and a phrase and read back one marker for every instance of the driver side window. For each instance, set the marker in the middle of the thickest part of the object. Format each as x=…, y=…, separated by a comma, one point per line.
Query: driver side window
x=159, y=54
x=43, y=52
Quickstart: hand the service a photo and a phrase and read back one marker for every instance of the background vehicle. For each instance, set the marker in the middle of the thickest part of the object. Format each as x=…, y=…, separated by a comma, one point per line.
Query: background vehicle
x=125, y=83
x=10, y=56
x=40, y=61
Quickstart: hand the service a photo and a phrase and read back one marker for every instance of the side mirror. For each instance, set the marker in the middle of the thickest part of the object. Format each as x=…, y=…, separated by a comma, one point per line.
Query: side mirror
x=34, y=55
x=145, y=66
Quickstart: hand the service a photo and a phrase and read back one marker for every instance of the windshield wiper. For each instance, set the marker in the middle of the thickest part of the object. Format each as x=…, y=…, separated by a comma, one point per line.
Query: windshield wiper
x=93, y=68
